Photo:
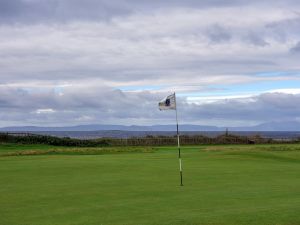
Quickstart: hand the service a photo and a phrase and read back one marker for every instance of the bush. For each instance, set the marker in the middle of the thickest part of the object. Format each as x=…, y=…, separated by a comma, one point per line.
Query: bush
x=138, y=141
x=50, y=140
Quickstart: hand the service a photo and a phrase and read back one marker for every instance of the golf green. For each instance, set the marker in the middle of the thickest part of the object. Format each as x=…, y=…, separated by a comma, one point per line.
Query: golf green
x=222, y=185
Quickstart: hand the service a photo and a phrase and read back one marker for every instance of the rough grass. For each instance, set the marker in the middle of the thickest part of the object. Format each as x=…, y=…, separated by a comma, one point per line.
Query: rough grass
x=26, y=150
x=258, y=147
x=240, y=185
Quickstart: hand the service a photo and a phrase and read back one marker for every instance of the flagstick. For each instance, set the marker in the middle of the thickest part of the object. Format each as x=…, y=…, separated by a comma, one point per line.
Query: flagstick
x=178, y=145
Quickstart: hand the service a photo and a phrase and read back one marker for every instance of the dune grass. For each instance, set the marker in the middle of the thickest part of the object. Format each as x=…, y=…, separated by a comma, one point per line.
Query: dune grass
x=224, y=185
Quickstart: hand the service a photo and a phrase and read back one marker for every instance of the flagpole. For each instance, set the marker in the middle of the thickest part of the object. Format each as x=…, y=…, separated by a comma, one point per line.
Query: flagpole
x=178, y=144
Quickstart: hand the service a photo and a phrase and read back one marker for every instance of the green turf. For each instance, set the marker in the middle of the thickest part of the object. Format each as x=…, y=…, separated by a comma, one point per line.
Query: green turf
x=222, y=185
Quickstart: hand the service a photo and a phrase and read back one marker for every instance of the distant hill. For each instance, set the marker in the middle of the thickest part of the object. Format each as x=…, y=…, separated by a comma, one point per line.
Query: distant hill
x=113, y=127
x=278, y=126
x=270, y=126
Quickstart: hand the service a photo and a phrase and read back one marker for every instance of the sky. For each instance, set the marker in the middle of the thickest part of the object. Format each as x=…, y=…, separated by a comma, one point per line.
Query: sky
x=71, y=62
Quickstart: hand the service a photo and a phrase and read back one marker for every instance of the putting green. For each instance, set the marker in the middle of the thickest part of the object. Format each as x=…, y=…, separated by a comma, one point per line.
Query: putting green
x=227, y=185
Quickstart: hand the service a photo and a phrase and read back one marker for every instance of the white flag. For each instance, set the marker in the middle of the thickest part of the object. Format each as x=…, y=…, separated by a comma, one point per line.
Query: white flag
x=168, y=103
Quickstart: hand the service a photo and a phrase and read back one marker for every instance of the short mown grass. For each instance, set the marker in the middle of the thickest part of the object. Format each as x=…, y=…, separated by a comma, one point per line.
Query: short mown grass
x=223, y=185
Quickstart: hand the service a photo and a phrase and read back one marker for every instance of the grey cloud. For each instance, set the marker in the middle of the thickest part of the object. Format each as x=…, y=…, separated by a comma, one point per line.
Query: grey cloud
x=21, y=11
x=296, y=48
x=265, y=107
x=10, y=8
x=256, y=39
x=284, y=29
x=217, y=33
x=37, y=11
x=106, y=104
x=127, y=50
x=101, y=98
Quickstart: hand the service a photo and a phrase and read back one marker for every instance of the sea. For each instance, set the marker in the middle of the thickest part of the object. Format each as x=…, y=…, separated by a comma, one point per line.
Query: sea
x=128, y=134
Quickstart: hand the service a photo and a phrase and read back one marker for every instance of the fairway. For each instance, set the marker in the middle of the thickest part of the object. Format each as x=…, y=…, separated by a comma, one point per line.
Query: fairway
x=257, y=185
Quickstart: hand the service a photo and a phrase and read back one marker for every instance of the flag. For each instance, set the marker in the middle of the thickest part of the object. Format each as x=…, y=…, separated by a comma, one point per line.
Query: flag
x=168, y=103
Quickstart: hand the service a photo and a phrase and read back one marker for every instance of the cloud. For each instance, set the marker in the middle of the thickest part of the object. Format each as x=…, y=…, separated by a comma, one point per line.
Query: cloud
x=256, y=39
x=57, y=11
x=107, y=105
x=296, y=48
x=217, y=33
x=39, y=111
x=37, y=11
x=256, y=109
x=87, y=61
x=151, y=46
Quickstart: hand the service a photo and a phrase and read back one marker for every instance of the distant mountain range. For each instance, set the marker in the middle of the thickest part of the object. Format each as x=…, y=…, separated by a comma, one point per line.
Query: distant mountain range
x=270, y=126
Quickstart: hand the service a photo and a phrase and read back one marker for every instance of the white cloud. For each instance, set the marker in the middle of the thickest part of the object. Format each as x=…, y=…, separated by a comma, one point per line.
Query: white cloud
x=41, y=111
x=212, y=99
x=293, y=91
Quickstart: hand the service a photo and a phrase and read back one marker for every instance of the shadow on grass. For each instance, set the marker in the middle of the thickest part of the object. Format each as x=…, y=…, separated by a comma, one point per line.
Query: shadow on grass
x=264, y=155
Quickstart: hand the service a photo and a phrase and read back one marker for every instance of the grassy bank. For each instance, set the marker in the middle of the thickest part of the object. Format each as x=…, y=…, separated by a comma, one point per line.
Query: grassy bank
x=224, y=185
x=12, y=149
